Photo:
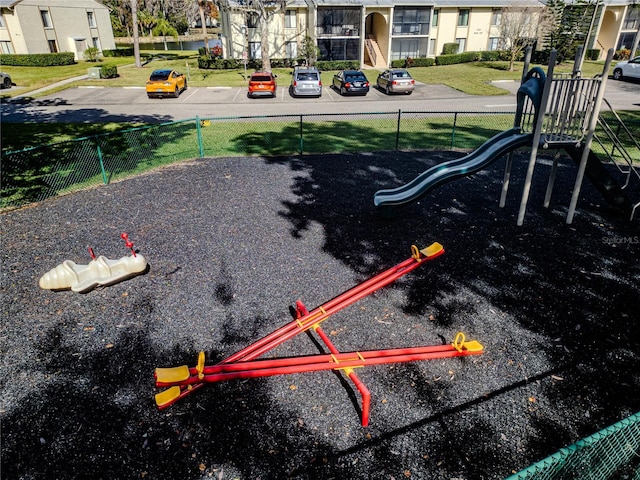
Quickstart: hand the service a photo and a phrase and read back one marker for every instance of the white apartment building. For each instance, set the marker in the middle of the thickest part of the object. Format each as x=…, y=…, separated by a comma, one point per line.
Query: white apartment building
x=376, y=32
x=49, y=26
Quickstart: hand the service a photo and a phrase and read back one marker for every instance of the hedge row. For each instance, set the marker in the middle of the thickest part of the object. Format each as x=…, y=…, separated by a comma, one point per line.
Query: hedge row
x=119, y=52
x=37, y=59
x=207, y=62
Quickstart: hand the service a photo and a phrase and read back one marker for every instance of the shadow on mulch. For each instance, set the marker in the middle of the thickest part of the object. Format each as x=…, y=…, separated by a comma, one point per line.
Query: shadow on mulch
x=232, y=241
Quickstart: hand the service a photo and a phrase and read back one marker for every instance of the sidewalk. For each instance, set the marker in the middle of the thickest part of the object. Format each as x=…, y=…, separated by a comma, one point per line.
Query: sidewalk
x=50, y=87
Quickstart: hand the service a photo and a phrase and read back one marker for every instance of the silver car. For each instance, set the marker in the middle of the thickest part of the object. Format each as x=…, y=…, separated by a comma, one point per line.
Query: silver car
x=396, y=81
x=305, y=82
x=5, y=80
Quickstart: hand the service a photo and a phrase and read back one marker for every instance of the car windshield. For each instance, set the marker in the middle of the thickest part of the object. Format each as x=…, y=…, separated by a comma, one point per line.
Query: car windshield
x=260, y=78
x=159, y=75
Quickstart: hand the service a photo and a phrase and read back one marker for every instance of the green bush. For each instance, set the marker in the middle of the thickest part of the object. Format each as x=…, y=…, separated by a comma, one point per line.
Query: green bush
x=118, y=52
x=37, y=59
x=108, y=71
x=592, y=54
x=91, y=54
x=491, y=56
x=327, y=65
x=450, y=48
x=465, y=57
x=424, y=62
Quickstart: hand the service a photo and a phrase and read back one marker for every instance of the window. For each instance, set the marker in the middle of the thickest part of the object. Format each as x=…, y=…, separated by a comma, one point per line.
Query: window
x=625, y=42
x=338, y=22
x=496, y=17
x=463, y=17
x=409, y=47
x=461, y=44
x=252, y=20
x=339, y=48
x=255, y=50
x=91, y=19
x=493, y=44
x=53, y=48
x=6, y=47
x=434, y=19
x=3, y=23
x=291, y=49
x=46, y=19
x=290, y=19
x=411, y=21
x=632, y=18
x=432, y=46
x=96, y=42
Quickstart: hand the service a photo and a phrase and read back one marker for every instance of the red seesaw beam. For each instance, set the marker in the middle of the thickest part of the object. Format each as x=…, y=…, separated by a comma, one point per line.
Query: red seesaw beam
x=315, y=317
x=315, y=363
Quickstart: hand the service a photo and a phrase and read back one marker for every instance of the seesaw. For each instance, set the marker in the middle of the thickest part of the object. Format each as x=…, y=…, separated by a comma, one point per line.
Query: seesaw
x=183, y=380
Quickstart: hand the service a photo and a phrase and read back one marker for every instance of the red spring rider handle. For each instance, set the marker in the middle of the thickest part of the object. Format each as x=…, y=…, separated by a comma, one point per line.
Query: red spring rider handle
x=128, y=243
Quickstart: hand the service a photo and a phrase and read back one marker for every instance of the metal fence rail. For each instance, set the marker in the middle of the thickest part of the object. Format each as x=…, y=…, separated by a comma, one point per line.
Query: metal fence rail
x=35, y=174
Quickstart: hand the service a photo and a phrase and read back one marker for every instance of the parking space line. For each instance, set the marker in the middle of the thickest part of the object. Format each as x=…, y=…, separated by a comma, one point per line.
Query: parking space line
x=190, y=92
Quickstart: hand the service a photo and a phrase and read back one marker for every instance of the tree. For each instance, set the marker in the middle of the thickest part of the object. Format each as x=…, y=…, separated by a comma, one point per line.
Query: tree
x=263, y=11
x=136, y=37
x=310, y=50
x=518, y=30
x=570, y=25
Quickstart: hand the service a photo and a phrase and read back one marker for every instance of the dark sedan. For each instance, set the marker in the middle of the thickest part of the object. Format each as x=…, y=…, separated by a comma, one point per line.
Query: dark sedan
x=351, y=82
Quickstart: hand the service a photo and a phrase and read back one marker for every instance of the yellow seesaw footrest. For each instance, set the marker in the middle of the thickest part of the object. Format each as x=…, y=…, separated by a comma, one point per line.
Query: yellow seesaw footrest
x=432, y=249
x=473, y=346
x=172, y=374
x=167, y=396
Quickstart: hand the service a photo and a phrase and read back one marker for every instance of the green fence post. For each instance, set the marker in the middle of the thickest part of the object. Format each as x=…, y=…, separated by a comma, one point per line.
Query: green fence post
x=453, y=130
x=104, y=173
x=398, y=130
x=301, y=138
x=199, y=130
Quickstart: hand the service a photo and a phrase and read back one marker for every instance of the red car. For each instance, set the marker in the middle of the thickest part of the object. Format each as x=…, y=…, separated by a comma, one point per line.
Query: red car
x=262, y=84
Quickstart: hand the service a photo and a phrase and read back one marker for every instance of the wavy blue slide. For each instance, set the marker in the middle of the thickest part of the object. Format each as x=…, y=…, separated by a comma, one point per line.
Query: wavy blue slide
x=485, y=155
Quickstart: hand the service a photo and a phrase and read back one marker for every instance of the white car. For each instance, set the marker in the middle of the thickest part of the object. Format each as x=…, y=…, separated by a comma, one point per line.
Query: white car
x=5, y=80
x=630, y=69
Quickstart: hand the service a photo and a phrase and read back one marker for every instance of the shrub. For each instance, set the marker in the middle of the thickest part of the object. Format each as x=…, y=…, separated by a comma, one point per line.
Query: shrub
x=622, y=54
x=397, y=63
x=465, y=57
x=108, y=71
x=593, y=54
x=424, y=62
x=118, y=52
x=38, y=59
x=91, y=54
x=450, y=48
x=491, y=56
x=326, y=65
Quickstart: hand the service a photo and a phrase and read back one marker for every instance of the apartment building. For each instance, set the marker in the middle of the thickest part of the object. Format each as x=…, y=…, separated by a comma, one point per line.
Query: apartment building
x=49, y=26
x=376, y=32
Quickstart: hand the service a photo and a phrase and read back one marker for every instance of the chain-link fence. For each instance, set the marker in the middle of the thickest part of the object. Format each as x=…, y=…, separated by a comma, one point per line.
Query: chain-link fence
x=34, y=174
x=612, y=453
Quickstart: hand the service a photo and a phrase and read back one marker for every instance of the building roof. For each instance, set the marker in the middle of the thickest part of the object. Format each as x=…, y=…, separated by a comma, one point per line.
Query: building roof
x=52, y=3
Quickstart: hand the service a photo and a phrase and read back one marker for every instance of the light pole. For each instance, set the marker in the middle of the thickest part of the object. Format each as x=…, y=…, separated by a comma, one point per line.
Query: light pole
x=243, y=29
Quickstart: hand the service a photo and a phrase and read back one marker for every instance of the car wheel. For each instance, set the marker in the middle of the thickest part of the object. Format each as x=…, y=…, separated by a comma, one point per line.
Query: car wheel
x=176, y=92
x=185, y=86
x=617, y=74
x=409, y=92
x=6, y=83
x=343, y=91
x=387, y=91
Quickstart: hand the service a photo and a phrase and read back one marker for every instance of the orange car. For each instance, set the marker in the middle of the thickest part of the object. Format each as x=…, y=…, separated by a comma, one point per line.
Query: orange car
x=166, y=83
x=262, y=84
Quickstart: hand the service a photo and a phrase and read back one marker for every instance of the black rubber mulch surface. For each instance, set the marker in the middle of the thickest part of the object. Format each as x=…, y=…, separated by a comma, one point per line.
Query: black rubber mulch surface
x=232, y=243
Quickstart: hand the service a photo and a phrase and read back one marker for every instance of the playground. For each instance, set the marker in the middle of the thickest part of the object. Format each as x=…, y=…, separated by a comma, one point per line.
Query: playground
x=231, y=244
x=466, y=337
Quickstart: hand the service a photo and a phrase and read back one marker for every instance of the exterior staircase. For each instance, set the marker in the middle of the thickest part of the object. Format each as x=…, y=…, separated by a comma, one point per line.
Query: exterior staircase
x=374, y=54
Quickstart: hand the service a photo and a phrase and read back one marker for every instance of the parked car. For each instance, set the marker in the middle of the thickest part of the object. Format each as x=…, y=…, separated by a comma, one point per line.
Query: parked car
x=262, y=84
x=627, y=69
x=396, y=81
x=351, y=82
x=5, y=80
x=306, y=82
x=166, y=83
